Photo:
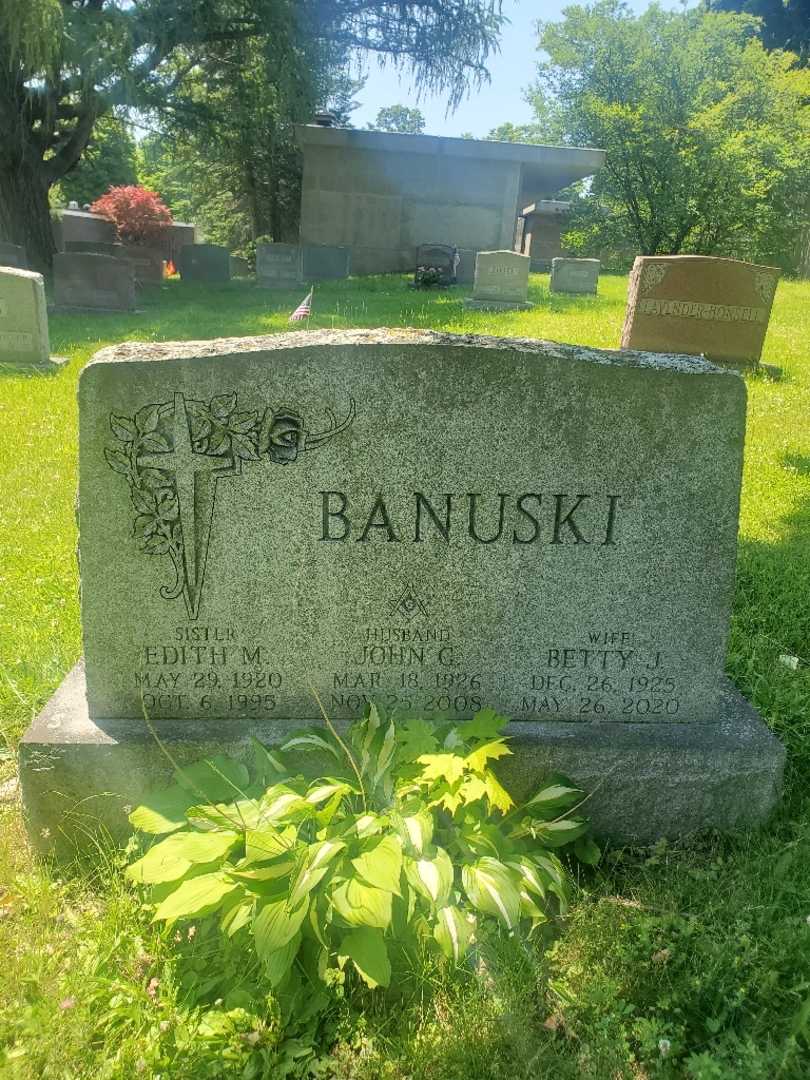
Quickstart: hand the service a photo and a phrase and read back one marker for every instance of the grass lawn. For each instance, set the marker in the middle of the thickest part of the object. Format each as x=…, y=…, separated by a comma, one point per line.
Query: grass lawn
x=689, y=960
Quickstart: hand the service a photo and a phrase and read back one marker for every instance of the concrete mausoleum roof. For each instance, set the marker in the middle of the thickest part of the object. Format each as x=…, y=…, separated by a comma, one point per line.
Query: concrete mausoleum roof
x=546, y=167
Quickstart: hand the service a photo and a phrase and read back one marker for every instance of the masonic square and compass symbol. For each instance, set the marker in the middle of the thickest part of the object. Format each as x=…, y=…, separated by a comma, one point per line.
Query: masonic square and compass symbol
x=174, y=454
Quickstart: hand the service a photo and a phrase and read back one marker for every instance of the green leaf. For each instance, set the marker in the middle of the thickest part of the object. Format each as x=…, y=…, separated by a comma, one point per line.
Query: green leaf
x=532, y=878
x=171, y=858
x=163, y=811
x=269, y=766
x=276, y=924
x=236, y=917
x=489, y=751
x=366, y=949
x=319, y=793
x=362, y=905
x=557, y=833
x=316, y=865
x=310, y=740
x=587, y=851
x=281, y=802
x=267, y=842
x=277, y=964
x=415, y=737
x=491, y=888
x=418, y=830
x=486, y=724
x=452, y=932
x=447, y=767
x=554, y=797
x=499, y=797
x=218, y=779
x=433, y=877
x=368, y=825
x=381, y=864
x=195, y=898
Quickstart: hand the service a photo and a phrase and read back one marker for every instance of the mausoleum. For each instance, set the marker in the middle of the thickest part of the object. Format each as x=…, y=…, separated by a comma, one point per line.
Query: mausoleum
x=383, y=194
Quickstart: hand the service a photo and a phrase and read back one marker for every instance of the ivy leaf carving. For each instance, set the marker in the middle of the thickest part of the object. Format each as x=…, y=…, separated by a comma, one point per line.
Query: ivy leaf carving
x=146, y=419
x=155, y=442
x=156, y=545
x=220, y=442
x=243, y=422
x=154, y=479
x=223, y=405
x=122, y=428
x=118, y=461
x=244, y=447
x=144, y=501
x=145, y=525
x=167, y=505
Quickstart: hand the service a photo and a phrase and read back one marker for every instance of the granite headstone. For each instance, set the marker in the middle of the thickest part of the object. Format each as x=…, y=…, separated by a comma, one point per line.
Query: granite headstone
x=13, y=255
x=501, y=281
x=23, y=318
x=97, y=247
x=700, y=305
x=547, y=529
x=278, y=266
x=83, y=280
x=574, y=275
x=204, y=262
x=321, y=262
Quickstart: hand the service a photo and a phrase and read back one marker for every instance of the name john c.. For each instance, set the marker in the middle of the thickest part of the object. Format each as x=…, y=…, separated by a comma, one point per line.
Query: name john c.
x=528, y=518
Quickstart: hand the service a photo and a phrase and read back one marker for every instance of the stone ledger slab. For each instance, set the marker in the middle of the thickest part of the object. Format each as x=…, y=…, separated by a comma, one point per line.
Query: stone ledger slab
x=85, y=281
x=697, y=304
x=24, y=338
x=547, y=529
x=574, y=275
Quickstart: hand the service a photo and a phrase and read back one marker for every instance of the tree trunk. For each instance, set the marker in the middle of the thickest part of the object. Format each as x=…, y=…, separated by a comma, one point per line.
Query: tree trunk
x=25, y=216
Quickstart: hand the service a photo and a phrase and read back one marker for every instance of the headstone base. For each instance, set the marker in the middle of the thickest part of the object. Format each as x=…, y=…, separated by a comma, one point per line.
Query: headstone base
x=43, y=367
x=496, y=305
x=646, y=780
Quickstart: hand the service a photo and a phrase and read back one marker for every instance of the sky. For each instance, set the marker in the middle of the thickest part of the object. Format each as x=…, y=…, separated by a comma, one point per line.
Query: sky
x=512, y=70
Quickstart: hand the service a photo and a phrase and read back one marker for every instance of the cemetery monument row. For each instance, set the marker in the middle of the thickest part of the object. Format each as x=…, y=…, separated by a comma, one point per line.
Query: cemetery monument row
x=546, y=529
x=699, y=304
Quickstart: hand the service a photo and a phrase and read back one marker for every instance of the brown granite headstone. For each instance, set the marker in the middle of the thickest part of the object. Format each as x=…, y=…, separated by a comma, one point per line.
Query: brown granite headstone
x=698, y=304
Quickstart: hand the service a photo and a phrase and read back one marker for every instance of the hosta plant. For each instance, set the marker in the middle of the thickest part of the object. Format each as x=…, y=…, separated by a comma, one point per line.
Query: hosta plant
x=409, y=840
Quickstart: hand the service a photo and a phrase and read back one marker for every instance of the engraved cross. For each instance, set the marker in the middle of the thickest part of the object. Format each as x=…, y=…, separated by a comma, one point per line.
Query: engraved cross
x=196, y=477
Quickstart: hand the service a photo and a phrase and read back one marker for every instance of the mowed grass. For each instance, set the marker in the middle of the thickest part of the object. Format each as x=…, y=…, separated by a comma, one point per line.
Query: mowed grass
x=692, y=960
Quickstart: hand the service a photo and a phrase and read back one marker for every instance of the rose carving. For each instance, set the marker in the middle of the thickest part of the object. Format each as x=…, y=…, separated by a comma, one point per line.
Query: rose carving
x=281, y=435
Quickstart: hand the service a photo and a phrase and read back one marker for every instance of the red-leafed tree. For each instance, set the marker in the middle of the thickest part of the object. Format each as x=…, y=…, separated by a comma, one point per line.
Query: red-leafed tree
x=65, y=63
x=140, y=216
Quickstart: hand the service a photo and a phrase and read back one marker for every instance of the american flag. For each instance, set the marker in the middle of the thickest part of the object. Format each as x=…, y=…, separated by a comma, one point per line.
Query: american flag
x=304, y=308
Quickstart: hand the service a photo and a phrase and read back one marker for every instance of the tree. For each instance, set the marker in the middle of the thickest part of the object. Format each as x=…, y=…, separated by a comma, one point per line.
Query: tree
x=65, y=63
x=785, y=23
x=108, y=161
x=400, y=119
x=707, y=138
